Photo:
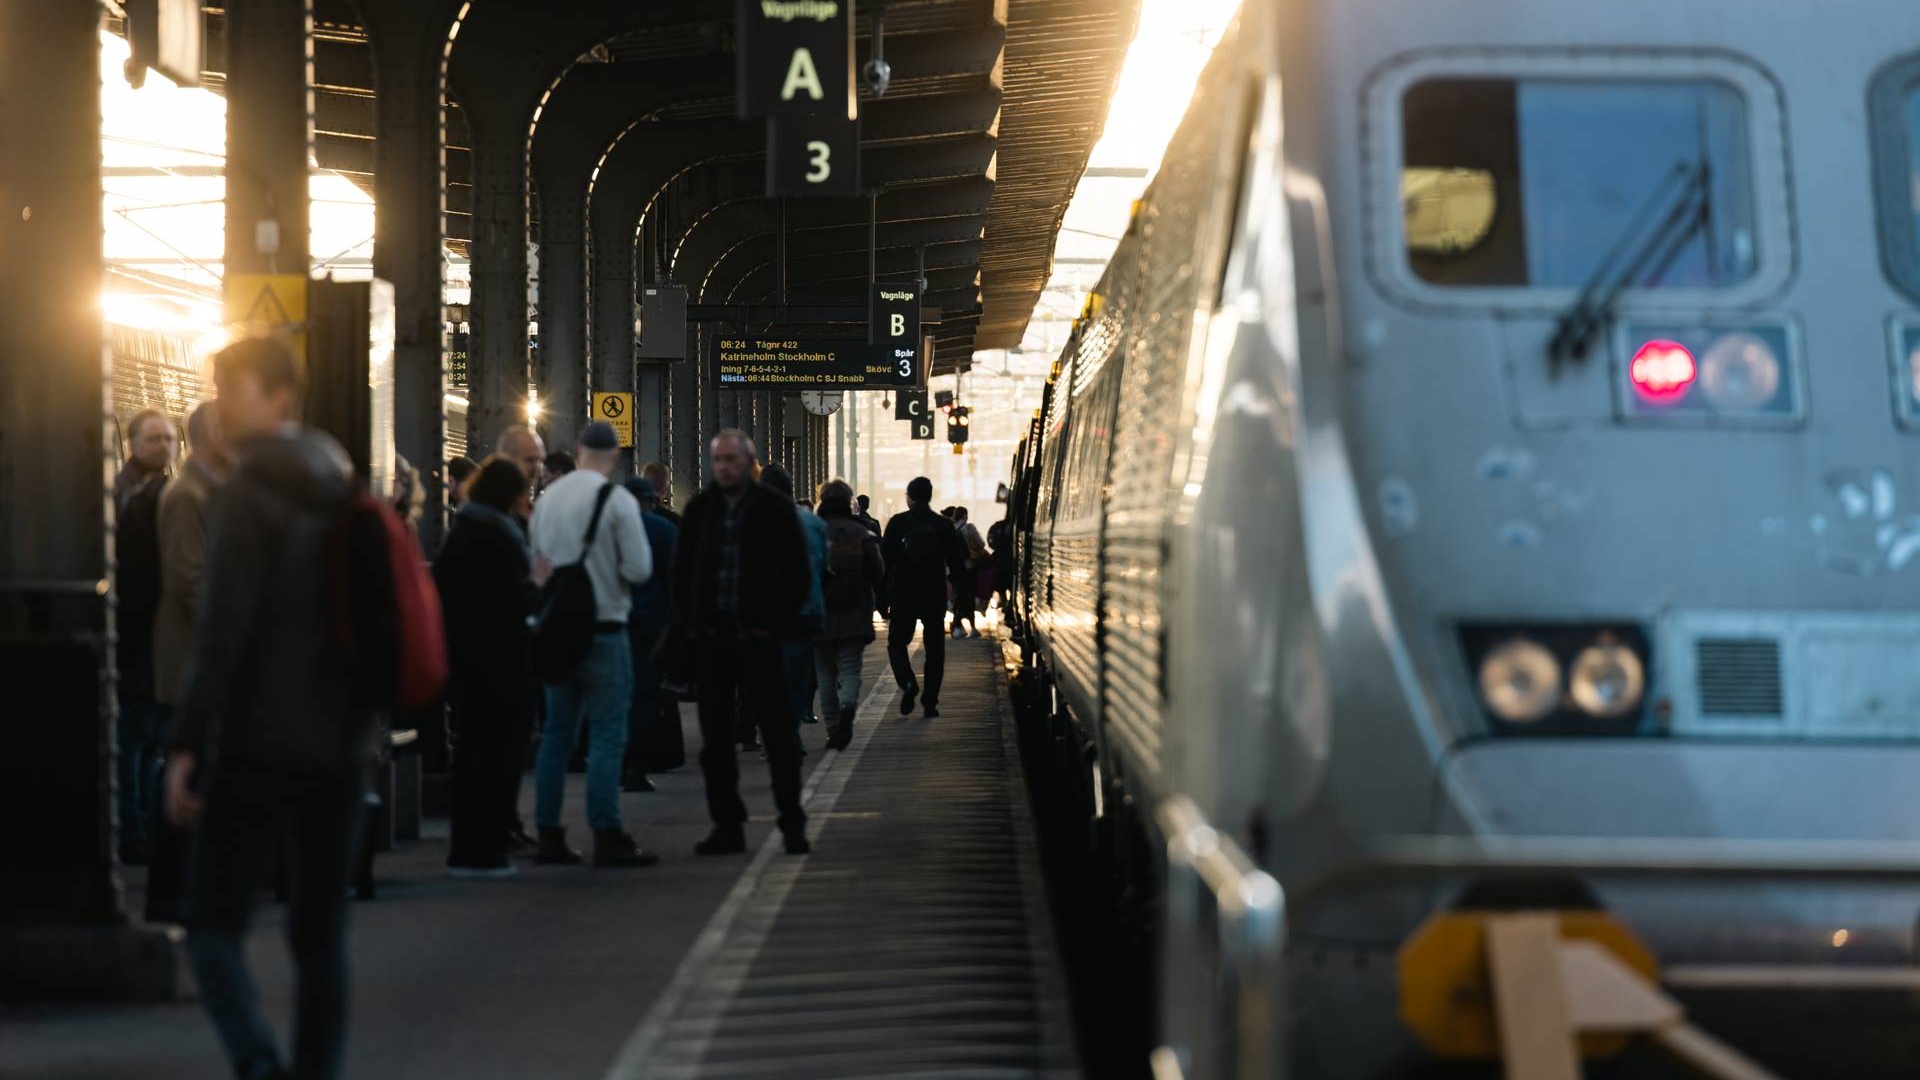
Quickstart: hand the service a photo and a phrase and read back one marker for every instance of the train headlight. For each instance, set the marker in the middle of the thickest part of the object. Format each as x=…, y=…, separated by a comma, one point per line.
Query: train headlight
x=1740, y=371
x=1520, y=682
x=1607, y=680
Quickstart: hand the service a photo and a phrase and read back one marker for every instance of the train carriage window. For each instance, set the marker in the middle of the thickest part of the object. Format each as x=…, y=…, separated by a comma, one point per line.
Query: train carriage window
x=1534, y=182
x=1896, y=115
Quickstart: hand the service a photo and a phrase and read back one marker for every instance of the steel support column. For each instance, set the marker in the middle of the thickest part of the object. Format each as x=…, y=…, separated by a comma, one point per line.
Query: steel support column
x=269, y=135
x=614, y=297
x=62, y=928
x=409, y=43
x=497, y=348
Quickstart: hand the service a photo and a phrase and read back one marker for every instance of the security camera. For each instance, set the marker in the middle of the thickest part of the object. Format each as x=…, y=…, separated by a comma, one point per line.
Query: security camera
x=879, y=75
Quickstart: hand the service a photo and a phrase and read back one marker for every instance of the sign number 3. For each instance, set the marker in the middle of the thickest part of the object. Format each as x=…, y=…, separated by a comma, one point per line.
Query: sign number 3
x=818, y=169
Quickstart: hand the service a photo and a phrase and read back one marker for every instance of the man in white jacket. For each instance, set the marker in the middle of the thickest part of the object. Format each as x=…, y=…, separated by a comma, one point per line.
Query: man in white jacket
x=617, y=558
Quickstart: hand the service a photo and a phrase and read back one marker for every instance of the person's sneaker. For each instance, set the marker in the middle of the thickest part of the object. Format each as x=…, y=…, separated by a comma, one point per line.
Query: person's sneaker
x=907, y=695
x=933, y=711
x=957, y=632
x=613, y=847
x=722, y=841
x=810, y=719
x=554, y=850
x=796, y=840
x=502, y=869
x=636, y=782
x=751, y=744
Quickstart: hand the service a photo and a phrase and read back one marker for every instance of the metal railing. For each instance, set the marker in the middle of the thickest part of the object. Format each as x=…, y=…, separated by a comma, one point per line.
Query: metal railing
x=1223, y=994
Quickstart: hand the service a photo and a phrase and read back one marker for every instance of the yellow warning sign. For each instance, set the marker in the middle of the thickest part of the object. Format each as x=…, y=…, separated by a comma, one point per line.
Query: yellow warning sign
x=616, y=408
x=269, y=303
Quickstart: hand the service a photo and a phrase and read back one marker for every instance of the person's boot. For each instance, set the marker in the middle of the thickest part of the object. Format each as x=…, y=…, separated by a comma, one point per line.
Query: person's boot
x=723, y=840
x=907, y=695
x=842, y=734
x=613, y=847
x=636, y=781
x=554, y=850
x=796, y=839
x=933, y=711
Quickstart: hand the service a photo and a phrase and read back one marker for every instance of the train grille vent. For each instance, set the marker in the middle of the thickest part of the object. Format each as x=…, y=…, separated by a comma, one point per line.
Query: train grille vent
x=1738, y=676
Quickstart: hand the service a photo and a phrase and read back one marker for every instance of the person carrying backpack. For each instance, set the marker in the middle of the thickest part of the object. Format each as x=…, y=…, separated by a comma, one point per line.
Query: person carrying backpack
x=275, y=730
x=589, y=530
x=922, y=552
x=854, y=571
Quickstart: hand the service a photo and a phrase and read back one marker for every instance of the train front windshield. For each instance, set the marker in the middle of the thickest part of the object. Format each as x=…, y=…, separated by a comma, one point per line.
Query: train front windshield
x=1512, y=182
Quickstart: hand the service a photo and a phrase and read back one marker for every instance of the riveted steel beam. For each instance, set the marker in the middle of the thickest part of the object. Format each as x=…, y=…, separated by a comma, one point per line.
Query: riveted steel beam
x=408, y=43
x=506, y=60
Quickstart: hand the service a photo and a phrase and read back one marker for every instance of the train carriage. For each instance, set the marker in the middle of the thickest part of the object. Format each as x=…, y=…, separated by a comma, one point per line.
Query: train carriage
x=1486, y=468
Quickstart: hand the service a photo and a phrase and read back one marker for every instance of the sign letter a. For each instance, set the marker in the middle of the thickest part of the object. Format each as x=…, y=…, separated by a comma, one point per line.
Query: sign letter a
x=802, y=76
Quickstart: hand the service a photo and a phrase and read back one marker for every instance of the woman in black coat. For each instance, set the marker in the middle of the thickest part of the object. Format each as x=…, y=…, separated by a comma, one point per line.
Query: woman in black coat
x=486, y=580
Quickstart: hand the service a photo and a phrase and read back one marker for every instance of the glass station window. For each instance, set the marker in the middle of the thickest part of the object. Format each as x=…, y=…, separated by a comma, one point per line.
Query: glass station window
x=1538, y=182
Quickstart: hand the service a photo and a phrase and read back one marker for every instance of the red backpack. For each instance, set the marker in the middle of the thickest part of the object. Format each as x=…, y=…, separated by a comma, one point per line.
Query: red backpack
x=387, y=609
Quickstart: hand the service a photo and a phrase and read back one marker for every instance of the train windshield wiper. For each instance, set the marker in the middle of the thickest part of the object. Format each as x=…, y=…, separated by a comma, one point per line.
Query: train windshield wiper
x=1638, y=256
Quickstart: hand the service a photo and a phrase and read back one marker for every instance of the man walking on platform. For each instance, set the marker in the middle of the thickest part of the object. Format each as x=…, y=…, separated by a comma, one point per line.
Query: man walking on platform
x=584, y=519
x=280, y=714
x=866, y=519
x=923, y=553
x=739, y=580
x=854, y=572
x=185, y=509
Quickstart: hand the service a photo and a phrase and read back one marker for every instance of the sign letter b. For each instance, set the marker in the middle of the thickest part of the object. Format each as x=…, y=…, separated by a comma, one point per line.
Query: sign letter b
x=899, y=325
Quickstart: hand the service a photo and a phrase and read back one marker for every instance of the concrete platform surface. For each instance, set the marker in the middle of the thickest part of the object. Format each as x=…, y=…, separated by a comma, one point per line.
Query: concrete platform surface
x=913, y=942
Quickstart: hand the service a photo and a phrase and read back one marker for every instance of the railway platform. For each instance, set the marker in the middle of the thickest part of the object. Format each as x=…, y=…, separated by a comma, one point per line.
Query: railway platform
x=913, y=942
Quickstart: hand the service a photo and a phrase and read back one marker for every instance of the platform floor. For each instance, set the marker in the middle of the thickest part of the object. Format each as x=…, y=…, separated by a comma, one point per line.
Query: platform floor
x=914, y=942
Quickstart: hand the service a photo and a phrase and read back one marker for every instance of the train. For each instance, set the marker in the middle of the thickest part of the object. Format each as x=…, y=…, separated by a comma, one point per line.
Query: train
x=1485, y=480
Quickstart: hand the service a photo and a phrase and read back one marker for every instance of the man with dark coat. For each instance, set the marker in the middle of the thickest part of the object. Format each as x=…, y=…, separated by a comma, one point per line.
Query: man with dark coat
x=136, y=544
x=279, y=715
x=741, y=575
x=923, y=554
x=647, y=626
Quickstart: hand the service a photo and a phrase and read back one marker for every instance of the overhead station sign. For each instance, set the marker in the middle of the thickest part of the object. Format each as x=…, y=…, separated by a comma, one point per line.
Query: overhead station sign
x=795, y=57
x=810, y=364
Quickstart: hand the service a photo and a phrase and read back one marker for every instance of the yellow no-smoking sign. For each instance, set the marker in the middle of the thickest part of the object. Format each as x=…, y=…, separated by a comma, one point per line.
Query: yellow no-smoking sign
x=616, y=408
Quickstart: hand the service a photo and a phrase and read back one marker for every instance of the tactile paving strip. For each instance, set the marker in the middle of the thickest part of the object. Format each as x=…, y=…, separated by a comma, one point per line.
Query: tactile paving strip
x=913, y=943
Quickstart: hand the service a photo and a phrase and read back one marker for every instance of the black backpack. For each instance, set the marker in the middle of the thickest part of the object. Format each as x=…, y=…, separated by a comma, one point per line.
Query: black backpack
x=845, y=578
x=563, y=629
x=923, y=558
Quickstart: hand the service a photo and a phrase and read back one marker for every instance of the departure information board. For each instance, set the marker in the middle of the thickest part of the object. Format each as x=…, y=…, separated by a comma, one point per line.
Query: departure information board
x=811, y=364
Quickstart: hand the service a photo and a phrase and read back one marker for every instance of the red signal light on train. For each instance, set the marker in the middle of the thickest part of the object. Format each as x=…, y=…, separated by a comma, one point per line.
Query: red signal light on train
x=1662, y=370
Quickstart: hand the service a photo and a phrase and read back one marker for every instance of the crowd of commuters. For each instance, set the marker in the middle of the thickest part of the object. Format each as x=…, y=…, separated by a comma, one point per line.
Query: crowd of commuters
x=254, y=681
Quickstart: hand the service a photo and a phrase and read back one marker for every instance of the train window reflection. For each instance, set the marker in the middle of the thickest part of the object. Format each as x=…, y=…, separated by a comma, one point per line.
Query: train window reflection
x=1510, y=182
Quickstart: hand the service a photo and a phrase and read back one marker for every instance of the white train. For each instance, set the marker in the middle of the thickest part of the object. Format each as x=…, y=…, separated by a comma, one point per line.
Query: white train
x=1487, y=476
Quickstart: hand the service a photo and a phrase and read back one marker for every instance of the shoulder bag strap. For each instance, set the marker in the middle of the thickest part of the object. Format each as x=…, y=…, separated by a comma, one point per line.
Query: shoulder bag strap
x=593, y=523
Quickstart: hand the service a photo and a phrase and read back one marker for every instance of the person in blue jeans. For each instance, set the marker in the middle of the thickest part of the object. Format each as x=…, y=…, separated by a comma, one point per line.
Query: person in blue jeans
x=585, y=519
x=796, y=649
